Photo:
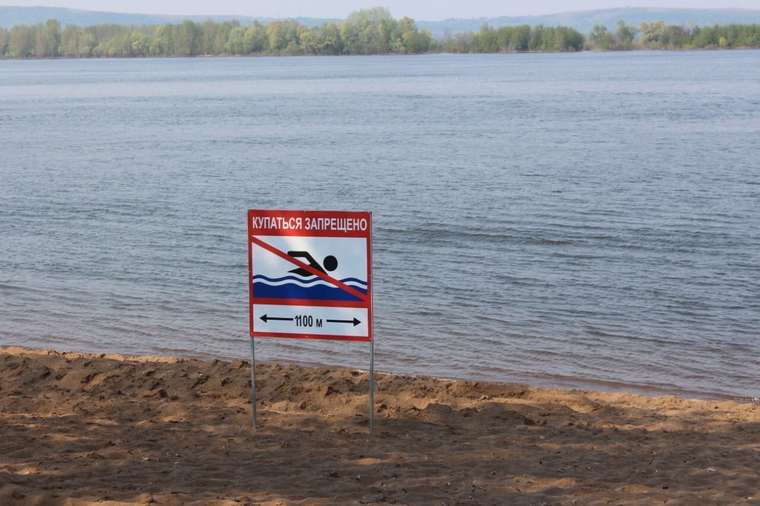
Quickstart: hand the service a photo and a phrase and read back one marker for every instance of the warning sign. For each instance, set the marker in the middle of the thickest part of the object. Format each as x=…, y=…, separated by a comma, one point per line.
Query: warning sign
x=310, y=274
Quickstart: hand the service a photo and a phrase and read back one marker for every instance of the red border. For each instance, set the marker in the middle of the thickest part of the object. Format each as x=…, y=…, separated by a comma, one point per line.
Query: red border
x=310, y=302
x=287, y=214
x=322, y=337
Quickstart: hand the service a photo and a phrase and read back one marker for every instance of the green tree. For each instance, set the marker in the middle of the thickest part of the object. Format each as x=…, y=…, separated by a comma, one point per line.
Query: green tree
x=256, y=38
x=520, y=39
x=368, y=31
x=139, y=44
x=408, y=39
x=600, y=38
x=221, y=37
x=187, y=39
x=282, y=36
x=21, y=42
x=87, y=42
x=162, y=43
x=236, y=42
x=652, y=34
x=4, y=42
x=52, y=37
x=330, y=41
x=537, y=38
x=486, y=40
x=70, y=42
x=208, y=30
x=625, y=35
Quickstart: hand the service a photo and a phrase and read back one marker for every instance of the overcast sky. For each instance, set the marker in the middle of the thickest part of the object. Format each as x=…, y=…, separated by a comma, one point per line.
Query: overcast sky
x=419, y=9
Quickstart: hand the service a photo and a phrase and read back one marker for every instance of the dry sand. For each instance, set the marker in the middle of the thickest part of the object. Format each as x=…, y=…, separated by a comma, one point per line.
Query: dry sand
x=108, y=429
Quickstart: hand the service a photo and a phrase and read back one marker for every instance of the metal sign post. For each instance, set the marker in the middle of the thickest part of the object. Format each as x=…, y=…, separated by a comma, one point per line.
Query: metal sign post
x=310, y=277
x=371, y=386
x=253, y=381
x=371, y=347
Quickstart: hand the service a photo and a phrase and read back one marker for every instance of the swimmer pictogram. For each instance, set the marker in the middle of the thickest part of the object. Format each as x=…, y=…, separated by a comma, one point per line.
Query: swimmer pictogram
x=330, y=263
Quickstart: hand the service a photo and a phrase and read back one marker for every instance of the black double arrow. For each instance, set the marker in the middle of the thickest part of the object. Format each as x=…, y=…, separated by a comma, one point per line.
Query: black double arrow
x=266, y=318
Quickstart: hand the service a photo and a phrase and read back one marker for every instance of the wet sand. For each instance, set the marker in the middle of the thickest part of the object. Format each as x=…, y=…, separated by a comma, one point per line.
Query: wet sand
x=110, y=429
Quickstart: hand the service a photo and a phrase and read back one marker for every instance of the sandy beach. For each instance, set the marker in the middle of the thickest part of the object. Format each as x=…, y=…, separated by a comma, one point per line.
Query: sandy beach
x=110, y=429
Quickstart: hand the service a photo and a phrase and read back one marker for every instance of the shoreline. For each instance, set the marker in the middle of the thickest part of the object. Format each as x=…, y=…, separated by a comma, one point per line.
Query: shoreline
x=529, y=379
x=82, y=428
x=431, y=53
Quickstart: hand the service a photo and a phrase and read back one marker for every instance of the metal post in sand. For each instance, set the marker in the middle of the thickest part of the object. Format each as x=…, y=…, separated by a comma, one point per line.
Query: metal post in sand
x=371, y=348
x=253, y=382
x=371, y=386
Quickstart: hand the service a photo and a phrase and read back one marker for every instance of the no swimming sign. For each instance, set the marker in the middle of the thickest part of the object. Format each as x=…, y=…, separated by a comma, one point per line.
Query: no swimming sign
x=310, y=277
x=310, y=274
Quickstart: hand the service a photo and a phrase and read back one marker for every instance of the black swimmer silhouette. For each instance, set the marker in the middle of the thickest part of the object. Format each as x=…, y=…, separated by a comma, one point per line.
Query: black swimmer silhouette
x=330, y=263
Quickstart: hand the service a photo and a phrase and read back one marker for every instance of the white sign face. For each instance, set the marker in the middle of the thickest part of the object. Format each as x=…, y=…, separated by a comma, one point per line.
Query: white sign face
x=310, y=274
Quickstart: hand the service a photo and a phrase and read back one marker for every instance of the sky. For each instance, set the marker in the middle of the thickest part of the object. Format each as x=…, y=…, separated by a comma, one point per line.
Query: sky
x=418, y=9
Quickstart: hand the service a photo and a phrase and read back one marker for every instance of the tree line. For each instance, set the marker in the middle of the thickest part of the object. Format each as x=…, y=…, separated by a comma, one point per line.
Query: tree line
x=369, y=31
x=658, y=35
x=652, y=35
x=514, y=39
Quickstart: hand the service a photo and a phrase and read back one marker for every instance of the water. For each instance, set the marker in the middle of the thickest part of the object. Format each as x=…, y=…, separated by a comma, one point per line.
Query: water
x=584, y=219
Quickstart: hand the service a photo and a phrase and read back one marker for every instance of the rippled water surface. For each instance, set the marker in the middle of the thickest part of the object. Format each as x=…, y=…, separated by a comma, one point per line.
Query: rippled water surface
x=557, y=219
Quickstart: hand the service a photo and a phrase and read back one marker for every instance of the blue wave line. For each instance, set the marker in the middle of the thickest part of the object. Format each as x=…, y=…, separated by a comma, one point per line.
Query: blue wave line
x=355, y=280
x=292, y=291
x=302, y=280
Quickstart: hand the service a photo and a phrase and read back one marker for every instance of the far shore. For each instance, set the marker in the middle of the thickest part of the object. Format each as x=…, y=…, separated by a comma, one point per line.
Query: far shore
x=503, y=53
x=79, y=428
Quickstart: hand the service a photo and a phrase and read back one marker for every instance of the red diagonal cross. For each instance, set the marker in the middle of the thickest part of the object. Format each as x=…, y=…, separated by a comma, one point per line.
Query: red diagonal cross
x=336, y=282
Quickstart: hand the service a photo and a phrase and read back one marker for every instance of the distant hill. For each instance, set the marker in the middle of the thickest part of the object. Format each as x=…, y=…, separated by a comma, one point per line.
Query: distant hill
x=10, y=16
x=580, y=20
x=584, y=21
